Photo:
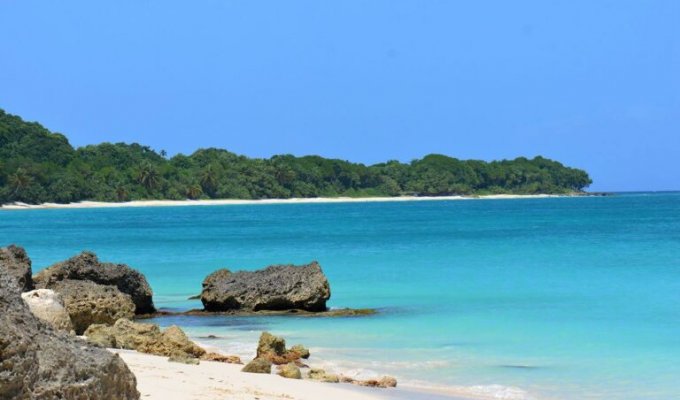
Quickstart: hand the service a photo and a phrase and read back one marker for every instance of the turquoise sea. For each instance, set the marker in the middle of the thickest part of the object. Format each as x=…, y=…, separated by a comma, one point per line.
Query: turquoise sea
x=558, y=298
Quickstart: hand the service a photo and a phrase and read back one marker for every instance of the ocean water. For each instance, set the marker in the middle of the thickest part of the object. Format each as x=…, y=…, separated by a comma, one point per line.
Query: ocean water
x=560, y=298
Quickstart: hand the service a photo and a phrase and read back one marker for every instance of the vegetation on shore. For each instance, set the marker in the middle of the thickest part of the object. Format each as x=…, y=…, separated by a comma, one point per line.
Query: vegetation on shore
x=38, y=166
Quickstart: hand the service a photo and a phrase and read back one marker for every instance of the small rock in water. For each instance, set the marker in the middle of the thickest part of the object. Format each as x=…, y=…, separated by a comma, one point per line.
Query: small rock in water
x=290, y=371
x=258, y=366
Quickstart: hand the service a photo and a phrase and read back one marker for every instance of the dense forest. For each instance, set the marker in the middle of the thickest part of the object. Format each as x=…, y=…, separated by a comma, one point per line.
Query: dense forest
x=39, y=166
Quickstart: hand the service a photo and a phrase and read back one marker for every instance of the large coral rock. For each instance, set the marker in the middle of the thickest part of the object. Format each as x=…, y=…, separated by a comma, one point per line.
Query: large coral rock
x=48, y=306
x=145, y=338
x=39, y=363
x=278, y=287
x=273, y=348
x=16, y=262
x=88, y=303
x=87, y=267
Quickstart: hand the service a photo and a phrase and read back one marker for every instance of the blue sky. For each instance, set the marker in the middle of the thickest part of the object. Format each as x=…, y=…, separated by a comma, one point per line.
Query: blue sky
x=594, y=84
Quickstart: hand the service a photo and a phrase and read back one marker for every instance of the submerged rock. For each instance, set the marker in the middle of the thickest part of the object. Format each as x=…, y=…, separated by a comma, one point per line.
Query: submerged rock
x=87, y=267
x=278, y=287
x=17, y=264
x=48, y=306
x=290, y=371
x=145, y=338
x=37, y=362
x=88, y=303
x=273, y=348
x=258, y=366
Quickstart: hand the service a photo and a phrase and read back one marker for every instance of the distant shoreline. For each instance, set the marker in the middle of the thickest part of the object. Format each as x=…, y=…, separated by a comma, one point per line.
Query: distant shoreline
x=222, y=202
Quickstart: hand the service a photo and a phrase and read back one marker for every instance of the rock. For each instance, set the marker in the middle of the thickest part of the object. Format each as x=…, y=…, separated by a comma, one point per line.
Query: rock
x=278, y=287
x=16, y=262
x=172, y=341
x=387, y=382
x=48, y=306
x=290, y=371
x=221, y=358
x=301, y=350
x=258, y=366
x=37, y=362
x=273, y=348
x=145, y=338
x=86, y=267
x=184, y=359
x=384, y=382
x=88, y=303
x=318, y=374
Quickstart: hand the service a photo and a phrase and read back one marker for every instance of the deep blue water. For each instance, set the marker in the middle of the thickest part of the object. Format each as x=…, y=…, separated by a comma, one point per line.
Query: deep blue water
x=565, y=298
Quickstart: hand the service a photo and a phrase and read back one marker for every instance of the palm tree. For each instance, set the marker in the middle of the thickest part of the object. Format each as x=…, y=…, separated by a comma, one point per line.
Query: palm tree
x=148, y=176
x=121, y=193
x=20, y=181
x=194, y=191
x=208, y=180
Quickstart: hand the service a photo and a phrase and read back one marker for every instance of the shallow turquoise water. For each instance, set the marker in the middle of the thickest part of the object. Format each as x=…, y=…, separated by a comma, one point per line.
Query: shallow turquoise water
x=565, y=298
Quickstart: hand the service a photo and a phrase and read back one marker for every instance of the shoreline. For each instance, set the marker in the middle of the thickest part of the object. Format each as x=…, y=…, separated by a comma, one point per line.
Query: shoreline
x=159, y=379
x=312, y=200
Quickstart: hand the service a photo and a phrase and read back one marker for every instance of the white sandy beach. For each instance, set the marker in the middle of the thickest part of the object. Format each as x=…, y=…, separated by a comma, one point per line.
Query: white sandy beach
x=222, y=202
x=159, y=379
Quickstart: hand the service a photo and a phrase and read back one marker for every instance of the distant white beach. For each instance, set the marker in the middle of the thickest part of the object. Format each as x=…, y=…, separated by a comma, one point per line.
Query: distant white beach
x=222, y=202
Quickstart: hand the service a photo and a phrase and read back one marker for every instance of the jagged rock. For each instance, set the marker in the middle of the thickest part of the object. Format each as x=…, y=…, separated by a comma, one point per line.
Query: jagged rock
x=16, y=262
x=37, y=362
x=273, y=348
x=184, y=359
x=318, y=374
x=145, y=338
x=290, y=371
x=221, y=358
x=278, y=287
x=301, y=350
x=88, y=303
x=258, y=366
x=172, y=341
x=48, y=306
x=87, y=267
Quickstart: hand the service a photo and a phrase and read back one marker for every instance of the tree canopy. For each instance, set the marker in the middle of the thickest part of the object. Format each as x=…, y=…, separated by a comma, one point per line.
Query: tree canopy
x=39, y=166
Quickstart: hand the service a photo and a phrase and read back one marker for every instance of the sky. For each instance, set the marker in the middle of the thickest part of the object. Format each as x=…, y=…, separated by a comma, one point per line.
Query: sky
x=594, y=84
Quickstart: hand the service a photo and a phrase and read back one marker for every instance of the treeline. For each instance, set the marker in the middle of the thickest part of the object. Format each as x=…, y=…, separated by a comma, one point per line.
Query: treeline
x=38, y=166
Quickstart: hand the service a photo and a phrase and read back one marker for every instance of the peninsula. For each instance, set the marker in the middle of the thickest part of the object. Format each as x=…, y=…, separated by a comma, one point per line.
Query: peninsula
x=38, y=166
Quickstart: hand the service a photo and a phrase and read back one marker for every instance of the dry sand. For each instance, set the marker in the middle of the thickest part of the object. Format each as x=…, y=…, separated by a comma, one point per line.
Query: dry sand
x=159, y=379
